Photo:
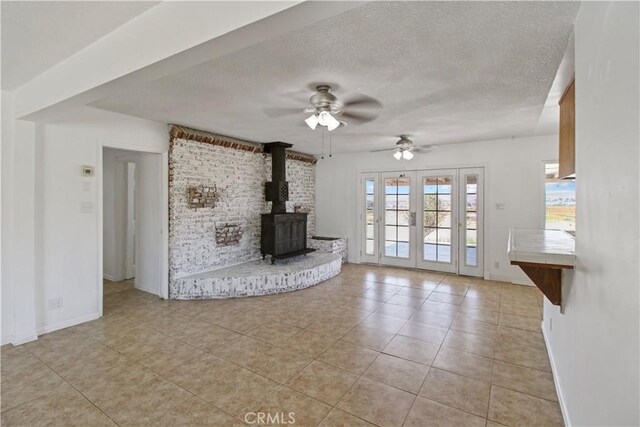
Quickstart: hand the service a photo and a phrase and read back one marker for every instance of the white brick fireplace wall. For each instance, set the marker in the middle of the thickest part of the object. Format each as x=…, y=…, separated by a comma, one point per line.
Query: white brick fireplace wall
x=239, y=174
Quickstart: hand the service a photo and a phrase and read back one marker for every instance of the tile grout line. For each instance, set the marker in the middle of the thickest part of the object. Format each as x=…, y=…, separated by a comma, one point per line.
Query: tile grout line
x=78, y=391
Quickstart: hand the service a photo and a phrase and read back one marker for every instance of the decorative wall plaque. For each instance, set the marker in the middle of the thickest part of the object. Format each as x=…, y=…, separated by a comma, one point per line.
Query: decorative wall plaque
x=202, y=197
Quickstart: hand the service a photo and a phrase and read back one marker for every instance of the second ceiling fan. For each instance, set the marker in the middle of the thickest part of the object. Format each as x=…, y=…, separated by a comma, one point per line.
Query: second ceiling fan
x=405, y=147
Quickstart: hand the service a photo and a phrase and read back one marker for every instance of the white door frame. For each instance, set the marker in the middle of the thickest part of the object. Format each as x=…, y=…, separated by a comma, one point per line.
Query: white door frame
x=163, y=291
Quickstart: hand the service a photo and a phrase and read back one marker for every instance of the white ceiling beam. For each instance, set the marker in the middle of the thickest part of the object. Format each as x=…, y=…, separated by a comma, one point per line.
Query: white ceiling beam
x=168, y=38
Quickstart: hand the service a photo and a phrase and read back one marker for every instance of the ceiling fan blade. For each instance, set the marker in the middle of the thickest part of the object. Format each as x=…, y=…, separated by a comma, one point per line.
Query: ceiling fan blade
x=425, y=147
x=386, y=149
x=358, y=117
x=361, y=101
x=280, y=112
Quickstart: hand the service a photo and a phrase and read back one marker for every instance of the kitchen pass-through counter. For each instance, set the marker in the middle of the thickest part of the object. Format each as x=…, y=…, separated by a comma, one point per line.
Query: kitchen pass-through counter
x=542, y=255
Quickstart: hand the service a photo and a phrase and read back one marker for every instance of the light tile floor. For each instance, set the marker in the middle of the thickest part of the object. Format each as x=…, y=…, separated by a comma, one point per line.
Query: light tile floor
x=372, y=346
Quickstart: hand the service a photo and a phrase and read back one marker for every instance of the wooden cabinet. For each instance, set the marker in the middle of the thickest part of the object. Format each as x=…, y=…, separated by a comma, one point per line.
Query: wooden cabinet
x=567, y=156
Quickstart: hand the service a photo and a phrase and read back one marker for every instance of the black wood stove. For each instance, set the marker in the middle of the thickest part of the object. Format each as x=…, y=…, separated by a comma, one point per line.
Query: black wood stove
x=284, y=235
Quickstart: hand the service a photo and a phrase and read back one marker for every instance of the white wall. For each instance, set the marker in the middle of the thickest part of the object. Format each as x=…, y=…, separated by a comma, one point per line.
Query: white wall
x=6, y=156
x=594, y=344
x=18, y=225
x=513, y=177
x=68, y=214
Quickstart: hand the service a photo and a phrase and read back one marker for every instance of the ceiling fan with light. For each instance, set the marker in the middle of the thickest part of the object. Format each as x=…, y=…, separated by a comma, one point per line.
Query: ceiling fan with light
x=328, y=111
x=405, y=147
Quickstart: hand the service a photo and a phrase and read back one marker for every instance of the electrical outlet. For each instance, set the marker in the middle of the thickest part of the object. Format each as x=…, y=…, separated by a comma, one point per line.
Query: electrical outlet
x=496, y=265
x=55, y=303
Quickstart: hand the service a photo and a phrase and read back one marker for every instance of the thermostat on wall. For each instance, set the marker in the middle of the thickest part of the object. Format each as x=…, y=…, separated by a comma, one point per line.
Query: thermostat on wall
x=87, y=170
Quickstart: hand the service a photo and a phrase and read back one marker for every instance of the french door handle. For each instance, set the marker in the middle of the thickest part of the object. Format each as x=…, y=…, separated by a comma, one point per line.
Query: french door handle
x=412, y=219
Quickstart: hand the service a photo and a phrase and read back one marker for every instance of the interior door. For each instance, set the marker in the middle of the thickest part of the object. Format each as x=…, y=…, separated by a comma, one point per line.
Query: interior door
x=130, y=253
x=398, y=216
x=470, y=225
x=438, y=220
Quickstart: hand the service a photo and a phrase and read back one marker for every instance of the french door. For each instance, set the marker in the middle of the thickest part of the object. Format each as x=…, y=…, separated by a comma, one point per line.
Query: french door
x=430, y=219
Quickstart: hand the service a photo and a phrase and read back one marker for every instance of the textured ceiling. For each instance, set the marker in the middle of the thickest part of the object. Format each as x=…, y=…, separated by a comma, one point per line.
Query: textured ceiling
x=444, y=72
x=36, y=35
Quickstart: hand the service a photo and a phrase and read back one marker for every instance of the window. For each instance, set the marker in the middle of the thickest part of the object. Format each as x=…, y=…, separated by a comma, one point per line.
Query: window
x=560, y=201
x=370, y=211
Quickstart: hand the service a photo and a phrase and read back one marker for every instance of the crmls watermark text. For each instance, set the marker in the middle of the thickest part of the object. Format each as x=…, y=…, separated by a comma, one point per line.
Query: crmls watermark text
x=270, y=418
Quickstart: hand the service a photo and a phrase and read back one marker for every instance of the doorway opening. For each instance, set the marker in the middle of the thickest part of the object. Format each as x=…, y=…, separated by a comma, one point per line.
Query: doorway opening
x=426, y=219
x=132, y=224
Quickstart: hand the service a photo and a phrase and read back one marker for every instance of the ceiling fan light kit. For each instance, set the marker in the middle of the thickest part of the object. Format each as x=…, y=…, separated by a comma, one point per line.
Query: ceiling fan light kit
x=312, y=121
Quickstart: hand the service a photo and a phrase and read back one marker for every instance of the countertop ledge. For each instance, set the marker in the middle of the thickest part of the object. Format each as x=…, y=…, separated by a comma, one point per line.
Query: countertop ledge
x=538, y=246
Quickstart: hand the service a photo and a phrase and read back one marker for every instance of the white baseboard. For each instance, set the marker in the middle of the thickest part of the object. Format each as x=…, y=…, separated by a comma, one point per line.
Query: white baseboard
x=556, y=379
x=68, y=323
x=510, y=279
x=5, y=341
x=145, y=289
x=109, y=277
x=23, y=340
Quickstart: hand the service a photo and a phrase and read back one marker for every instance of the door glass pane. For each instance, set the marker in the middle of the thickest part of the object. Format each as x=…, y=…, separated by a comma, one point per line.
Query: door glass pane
x=430, y=235
x=471, y=212
x=471, y=202
x=430, y=252
x=370, y=231
x=390, y=248
x=403, y=218
x=369, y=248
x=444, y=253
x=471, y=220
x=444, y=219
x=391, y=217
x=403, y=234
x=396, y=212
x=444, y=202
x=369, y=185
x=444, y=235
x=430, y=218
x=444, y=185
x=437, y=218
x=430, y=201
